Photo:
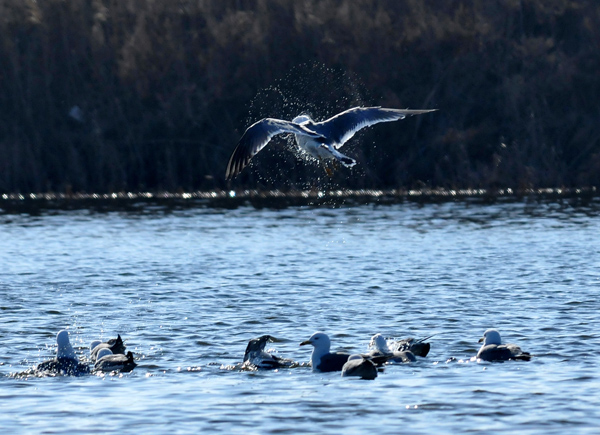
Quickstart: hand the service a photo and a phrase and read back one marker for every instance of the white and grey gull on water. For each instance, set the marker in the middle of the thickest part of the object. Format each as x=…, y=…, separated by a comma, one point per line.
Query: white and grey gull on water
x=359, y=366
x=419, y=347
x=319, y=140
x=108, y=362
x=322, y=360
x=379, y=348
x=492, y=349
x=65, y=362
x=115, y=345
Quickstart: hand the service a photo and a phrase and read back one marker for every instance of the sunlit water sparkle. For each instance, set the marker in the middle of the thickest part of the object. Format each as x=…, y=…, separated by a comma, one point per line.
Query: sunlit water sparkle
x=188, y=288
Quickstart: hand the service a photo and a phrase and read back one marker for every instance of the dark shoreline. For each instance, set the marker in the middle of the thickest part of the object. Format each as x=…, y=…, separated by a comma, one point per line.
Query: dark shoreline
x=39, y=203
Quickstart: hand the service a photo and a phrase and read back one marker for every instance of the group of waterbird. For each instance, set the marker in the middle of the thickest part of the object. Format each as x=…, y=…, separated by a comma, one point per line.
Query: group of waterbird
x=111, y=356
x=319, y=141
x=382, y=351
x=106, y=356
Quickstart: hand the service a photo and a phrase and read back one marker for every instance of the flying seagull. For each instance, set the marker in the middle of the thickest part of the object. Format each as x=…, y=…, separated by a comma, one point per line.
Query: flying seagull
x=319, y=140
x=493, y=349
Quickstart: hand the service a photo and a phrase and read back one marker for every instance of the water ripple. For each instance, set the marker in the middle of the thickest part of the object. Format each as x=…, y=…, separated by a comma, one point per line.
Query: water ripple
x=188, y=288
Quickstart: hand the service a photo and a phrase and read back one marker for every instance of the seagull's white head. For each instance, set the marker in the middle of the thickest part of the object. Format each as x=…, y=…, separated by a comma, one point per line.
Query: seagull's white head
x=102, y=353
x=321, y=345
x=301, y=118
x=379, y=342
x=355, y=357
x=320, y=341
x=65, y=350
x=491, y=336
x=94, y=344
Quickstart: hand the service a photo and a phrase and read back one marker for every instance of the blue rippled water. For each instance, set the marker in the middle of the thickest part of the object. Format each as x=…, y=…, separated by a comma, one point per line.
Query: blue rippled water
x=188, y=288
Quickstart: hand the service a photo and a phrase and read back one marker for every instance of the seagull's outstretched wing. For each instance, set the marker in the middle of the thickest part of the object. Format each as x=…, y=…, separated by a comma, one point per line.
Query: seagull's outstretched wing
x=256, y=137
x=341, y=127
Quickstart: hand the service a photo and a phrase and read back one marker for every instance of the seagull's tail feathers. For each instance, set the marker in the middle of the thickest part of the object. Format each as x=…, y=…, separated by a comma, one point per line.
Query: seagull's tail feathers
x=525, y=356
x=420, y=349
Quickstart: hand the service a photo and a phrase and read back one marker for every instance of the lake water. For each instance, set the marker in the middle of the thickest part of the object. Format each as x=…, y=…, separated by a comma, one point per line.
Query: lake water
x=187, y=289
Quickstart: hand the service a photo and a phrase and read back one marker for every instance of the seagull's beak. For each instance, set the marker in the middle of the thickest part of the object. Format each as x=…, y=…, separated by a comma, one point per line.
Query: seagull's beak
x=481, y=339
x=305, y=342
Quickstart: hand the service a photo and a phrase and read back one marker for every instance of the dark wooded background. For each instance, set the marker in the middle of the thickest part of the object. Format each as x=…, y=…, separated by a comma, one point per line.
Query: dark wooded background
x=105, y=95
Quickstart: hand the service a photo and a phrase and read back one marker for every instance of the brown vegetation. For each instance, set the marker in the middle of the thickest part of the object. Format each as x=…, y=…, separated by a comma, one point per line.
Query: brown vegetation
x=165, y=88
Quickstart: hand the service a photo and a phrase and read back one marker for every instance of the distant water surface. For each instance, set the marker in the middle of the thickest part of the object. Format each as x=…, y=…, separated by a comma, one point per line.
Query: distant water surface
x=188, y=288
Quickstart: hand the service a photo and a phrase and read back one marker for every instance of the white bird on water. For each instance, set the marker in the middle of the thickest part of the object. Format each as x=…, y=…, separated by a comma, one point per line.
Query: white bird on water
x=321, y=359
x=65, y=362
x=319, y=140
x=380, y=349
x=492, y=349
